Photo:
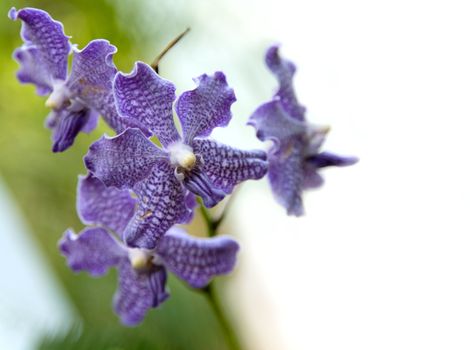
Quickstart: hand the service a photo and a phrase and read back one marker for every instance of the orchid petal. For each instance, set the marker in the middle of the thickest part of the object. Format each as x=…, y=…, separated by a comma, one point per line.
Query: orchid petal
x=43, y=56
x=226, y=167
x=93, y=250
x=161, y=205
x=197, y=260
x=206, y=107
x=138, y=292
x=146, y=97
x=100, y=205
x=123, y=160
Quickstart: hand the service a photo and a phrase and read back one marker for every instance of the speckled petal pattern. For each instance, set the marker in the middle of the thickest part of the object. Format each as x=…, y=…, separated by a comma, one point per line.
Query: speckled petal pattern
x=206, y=107
x=138, y=292
x=226, y=167
x=161, y=205
x=197, y=260
x=93, y=250
x=144, y=96
x=43, y=56
x=123, y=160
x=106, y=206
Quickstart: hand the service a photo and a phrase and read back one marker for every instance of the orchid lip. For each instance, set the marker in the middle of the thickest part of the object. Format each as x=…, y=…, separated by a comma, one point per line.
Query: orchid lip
x=198, y=183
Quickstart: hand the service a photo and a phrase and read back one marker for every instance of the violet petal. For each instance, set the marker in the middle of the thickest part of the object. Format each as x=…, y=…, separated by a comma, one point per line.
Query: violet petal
x=191, y=204
x=69, y=122
x=206, y=107
x=31, y=70
x=197, y=260
x=92, y=72
x=285, y=176
x=93, y=250
x=272, y=123
x=101, y=205
x=161, y=205
x=138, y=292
x=226, y=166
x=123, y=160
x=199, y=183
x=43, y=56
x=326, y=159
x=146, y=97
x=284, y=71
x=91, y=81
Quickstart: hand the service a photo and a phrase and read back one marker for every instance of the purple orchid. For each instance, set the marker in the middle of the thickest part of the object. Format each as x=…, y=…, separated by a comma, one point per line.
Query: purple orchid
x=161, y=177
x=295, y=158
x=75, y=99
x=142, y=272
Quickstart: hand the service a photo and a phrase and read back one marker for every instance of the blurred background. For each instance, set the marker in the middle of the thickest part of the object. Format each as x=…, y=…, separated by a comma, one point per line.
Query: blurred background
x=381, y=259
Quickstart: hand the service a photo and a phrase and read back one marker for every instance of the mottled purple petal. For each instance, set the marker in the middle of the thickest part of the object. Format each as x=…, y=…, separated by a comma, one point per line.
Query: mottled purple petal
x=286, y=176
x=91, y=81
x=93, y=250
x=161, y=205
x=226, y=166
x=326, y=159
x=197, y=260
x=30, y=71
x=93, y=72
x=43, y=56
x=68, y=123
x=206, y=107
x=272, y=123
x=138, y=292
x=110, y=115
x=148, y=98
x=199, y=183
x=101, y=205
x=123, y=160
x=284, y=71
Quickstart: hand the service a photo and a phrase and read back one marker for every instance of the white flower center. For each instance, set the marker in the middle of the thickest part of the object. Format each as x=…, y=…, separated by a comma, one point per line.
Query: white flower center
x=140, y=259
x=182, y=155
x=58, y=95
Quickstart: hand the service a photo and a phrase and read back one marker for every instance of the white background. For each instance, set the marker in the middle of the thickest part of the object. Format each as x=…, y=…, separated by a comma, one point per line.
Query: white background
x=382, y=259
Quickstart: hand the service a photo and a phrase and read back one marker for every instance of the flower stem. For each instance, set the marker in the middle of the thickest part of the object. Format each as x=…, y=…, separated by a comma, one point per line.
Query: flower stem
x=210, y=290
x=229, y=333
x=172, y=43
x=212, y=225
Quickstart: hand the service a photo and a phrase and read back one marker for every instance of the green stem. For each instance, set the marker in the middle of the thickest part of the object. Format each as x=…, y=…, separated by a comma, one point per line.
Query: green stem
x=210, y=291
x=229, y=333
x=210, y=223
x=172, y=43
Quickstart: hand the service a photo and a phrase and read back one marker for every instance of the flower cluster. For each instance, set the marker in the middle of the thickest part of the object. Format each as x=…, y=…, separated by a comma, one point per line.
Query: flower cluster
x=165, y=179
x=142, y=272
x=137, y=191
x=77, y=98
x=295, y=157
